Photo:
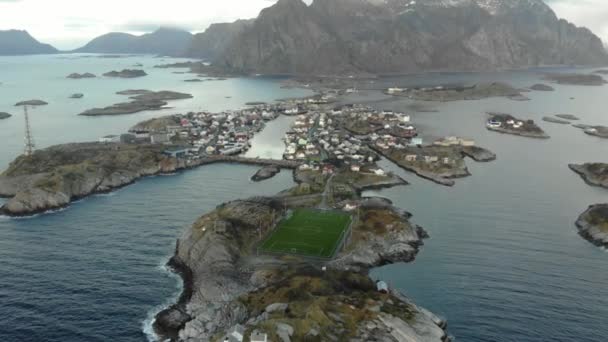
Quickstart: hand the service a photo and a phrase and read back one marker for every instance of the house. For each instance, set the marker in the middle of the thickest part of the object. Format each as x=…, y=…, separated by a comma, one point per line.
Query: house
x=237, y=333
x=379, y=172
x=431, y=159
x=415, y=142
x=257, y=336
x=355, y=168
x=128, y=138
x=411, y=157
x=110, y=139
x=382, y=287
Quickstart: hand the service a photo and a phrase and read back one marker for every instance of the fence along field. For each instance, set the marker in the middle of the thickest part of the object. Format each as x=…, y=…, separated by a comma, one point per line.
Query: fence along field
x=307, y=232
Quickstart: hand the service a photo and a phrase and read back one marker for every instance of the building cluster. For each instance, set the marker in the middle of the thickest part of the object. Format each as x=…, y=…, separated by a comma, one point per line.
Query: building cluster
x=204, y=133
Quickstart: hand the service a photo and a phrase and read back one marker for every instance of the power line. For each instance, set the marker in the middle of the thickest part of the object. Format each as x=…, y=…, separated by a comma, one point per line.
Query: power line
x=30, y=146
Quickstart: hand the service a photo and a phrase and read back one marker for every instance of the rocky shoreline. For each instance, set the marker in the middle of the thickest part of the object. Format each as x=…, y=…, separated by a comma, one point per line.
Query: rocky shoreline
x=141, y=100
x=226, y=282
x=593, y=225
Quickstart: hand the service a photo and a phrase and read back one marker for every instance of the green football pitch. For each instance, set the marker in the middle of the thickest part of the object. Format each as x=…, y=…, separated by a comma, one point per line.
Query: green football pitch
x=308, y=232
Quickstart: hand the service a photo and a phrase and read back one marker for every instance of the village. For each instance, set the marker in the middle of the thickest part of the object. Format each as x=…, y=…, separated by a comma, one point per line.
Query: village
x=323, y=136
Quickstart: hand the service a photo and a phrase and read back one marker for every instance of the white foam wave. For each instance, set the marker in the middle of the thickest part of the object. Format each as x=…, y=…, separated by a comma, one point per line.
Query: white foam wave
x=148, y=323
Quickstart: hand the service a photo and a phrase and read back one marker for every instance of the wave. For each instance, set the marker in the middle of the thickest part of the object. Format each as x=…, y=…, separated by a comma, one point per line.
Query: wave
x=148, y=323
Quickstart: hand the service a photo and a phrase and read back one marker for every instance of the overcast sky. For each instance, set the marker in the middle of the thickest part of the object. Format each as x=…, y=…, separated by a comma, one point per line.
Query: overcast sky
x=70, y=23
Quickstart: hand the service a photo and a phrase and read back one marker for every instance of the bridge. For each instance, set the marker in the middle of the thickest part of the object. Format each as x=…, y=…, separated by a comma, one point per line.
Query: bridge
x=283, y=164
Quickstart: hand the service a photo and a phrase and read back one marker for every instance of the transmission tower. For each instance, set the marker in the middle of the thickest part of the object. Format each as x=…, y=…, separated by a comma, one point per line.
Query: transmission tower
x=29, y=139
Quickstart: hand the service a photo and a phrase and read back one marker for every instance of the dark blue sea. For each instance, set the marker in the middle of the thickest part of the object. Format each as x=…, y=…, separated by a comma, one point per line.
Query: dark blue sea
x=504, y=261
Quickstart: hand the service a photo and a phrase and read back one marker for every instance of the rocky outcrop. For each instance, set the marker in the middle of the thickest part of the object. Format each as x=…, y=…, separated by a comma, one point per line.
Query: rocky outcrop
x=347, y=37
x=54, y=177
x=4, y=115
x=264, y=173
x=555, y=120
x=542, y=87
x=77, y=76
x=14, y=43
x=31, y=103
x=164, y=41
x=595, y=174
x=126, y=73
x=228, y=283
x=593, y=225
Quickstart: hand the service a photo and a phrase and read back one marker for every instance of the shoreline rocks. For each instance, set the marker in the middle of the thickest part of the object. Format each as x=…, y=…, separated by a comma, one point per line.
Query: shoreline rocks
x=593, y=225
x=31, y=103
x=265, y=173
x=126, y=73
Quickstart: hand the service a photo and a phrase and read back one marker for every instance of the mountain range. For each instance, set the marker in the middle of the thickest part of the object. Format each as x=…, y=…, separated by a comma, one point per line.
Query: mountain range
x=399, y=36
x=15, y=42
x=164, y=41
x=346, y=37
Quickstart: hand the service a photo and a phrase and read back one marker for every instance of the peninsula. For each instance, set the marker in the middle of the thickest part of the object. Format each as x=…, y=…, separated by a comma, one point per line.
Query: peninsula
x=577, y=79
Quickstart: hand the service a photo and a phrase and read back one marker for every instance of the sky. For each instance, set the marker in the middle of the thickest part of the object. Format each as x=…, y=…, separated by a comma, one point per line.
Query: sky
x=69, y=24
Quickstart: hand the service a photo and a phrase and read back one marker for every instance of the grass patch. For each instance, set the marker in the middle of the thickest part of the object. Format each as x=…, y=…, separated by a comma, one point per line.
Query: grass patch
x=308, y=232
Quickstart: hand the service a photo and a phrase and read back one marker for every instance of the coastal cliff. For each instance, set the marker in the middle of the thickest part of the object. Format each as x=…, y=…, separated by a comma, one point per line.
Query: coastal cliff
x=346, y=37
x=54, y=177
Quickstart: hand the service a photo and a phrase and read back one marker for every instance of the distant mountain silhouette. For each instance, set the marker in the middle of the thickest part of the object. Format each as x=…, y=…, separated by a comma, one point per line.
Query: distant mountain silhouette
x=15, y=42
x=164, y=41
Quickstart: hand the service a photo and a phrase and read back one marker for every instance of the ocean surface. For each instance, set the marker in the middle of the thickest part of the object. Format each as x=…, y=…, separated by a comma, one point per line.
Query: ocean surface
x=504, y=261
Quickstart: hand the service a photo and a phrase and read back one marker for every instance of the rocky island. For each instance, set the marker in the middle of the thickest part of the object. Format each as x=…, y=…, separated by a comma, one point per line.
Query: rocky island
x=508, y=124
x=31, y=103
x=577, y=79
x=4, y=115
x=555, y=120
x=126, y=73
x=142, y=100
x=54, y=177
x=542, y=87
x=266, y=172
x=595, y=174
x=232, y=285
x=569, y=117
x=77, y=76
x=593, y=225
x=460, y=93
